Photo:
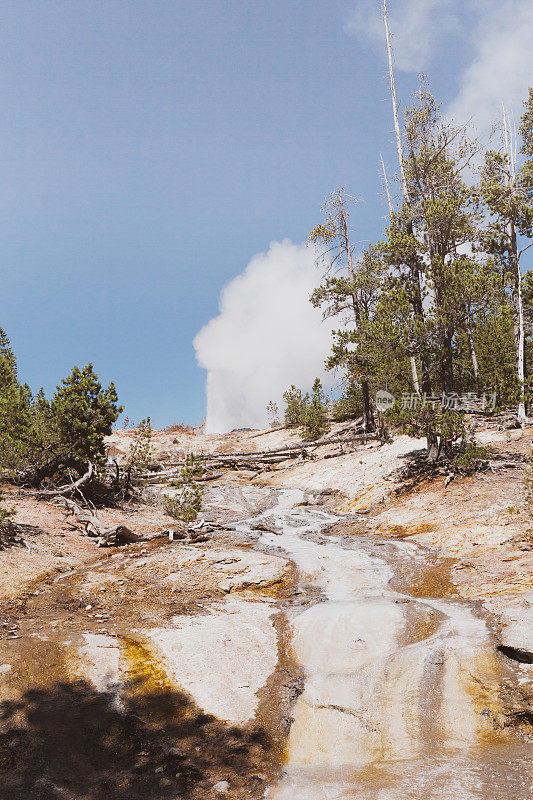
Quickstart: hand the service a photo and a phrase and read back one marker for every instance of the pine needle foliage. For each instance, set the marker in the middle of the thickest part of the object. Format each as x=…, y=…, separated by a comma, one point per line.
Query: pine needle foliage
x=187, y=502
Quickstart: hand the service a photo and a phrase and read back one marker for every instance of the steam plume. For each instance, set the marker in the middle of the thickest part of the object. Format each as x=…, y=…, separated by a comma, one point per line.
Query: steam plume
x=266, y=336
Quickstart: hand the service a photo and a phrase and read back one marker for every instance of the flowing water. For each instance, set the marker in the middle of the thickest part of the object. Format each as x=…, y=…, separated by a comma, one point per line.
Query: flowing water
x=402, y=696
x=404, y=693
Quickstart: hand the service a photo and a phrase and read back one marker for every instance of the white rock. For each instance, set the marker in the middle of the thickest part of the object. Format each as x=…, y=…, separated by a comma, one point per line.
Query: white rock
x=222, y=658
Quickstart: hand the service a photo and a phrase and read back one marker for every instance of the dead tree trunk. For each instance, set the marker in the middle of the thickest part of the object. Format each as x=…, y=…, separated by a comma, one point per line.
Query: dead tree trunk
x=415, y=266
x=412, y=359
x=516, y=276
x=472, y=348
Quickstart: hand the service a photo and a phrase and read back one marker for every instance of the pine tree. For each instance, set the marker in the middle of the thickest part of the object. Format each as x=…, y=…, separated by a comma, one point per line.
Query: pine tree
x=349, y=290
x=315, y=421
x=507, y=191
x=84, y=413
x=8, y=362
x=295, y=405
x=438, y=281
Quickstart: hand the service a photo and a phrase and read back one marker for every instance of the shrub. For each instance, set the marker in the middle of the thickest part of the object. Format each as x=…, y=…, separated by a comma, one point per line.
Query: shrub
x=296, y=404
x=315, y=415
x=179, y=427
x=273, y=414
x=469, y=455
x=139, y=455
x=188, y=501
x=5, y=513
x=445, y=431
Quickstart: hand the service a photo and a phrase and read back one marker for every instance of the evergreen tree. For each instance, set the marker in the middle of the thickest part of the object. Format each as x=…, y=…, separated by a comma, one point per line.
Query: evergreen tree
x=295, y=406
x=507, y=192
x=437, y=229
x=84, y=413
x=38, y=437
x=315, y=421
x=350, y=404
x=432, y=229
x=349, y=290
x=434, y=293
x=8, y=363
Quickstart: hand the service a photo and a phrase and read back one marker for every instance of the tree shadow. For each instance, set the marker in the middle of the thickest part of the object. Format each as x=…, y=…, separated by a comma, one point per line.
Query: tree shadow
x=15, y=534
x=71, y=741
x=420, y=452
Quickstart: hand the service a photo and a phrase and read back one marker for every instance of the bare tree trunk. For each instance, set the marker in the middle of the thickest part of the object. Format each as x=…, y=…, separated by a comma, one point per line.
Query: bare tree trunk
x=395, y=105
x=414, y=372
x=412, y=359
x=518, y=319
x=389, y=201
x=472, y=348
x=516, y=291
x=433, y=446
x=368, y=416
x=446, y=364
x=415, y=267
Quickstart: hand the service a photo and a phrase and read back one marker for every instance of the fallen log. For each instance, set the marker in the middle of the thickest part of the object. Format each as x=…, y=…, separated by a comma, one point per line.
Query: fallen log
x=254, y=459
x=67, y=488
x=260, y=455
x=305, y=445
x=93, y=526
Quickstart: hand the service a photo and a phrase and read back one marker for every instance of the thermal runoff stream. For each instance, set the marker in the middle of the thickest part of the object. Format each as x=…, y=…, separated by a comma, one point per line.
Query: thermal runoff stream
x=347, y=652
x=402, y=697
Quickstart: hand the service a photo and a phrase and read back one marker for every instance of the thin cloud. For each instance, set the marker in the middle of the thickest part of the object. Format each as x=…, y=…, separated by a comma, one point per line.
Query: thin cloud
x=502, y=67
x=417, y=26
x=498, y=33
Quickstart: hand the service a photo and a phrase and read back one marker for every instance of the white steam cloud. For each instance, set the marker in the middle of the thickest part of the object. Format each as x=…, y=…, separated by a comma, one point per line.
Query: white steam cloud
x=266, y=336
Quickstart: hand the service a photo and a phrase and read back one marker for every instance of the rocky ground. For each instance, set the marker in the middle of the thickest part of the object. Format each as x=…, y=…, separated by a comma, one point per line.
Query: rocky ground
x=192, y=639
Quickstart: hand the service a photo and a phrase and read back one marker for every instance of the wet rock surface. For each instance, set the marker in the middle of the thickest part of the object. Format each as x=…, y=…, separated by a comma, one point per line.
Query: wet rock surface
x=289, y=656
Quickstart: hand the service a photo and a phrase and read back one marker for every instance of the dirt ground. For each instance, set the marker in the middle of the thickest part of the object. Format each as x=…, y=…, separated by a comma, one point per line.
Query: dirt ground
x=478, y=532
x=481, y=522
x=67, y=728
x=53, y=544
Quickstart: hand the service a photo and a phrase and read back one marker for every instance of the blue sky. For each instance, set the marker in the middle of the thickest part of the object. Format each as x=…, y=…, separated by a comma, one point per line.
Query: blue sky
x=150, y=149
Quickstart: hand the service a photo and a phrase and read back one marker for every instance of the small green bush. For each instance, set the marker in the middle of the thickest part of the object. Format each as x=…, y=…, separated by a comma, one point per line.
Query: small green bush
x=139, y=455
x=187, y=503
x=315, y=416
x=5, y=513
x=295, y=407
x=273, y=414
